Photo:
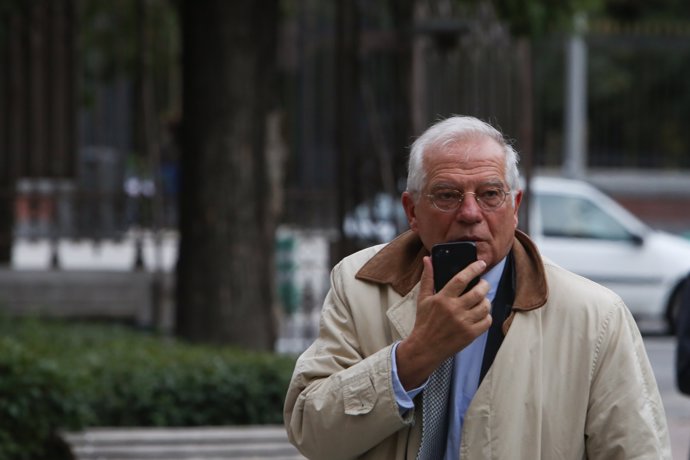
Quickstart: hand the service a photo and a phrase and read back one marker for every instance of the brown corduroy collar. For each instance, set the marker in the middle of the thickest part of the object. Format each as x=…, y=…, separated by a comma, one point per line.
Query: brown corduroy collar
x=399, y=264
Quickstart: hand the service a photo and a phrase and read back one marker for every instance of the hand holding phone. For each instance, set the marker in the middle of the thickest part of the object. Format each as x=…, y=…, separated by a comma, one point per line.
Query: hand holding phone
x=444, y=324
x=448, y=259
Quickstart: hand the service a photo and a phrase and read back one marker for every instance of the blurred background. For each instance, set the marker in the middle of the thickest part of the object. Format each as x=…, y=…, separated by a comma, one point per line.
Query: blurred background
x=309, y=113
x=195, y=169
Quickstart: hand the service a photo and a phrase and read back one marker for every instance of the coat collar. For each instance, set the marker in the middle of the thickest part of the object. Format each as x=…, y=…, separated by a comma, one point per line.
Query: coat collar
x=399, y=264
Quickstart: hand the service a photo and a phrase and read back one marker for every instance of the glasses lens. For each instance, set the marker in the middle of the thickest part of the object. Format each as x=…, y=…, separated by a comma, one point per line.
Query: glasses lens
x=490, y=198
x=446, y=200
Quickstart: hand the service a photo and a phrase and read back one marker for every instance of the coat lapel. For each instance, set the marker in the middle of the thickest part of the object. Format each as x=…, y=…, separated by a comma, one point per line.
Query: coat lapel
x=399, y=265
x=402, y=314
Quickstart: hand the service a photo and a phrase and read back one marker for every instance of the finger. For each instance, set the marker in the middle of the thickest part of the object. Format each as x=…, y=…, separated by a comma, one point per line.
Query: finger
x=459, y=282
x=477, y=293
x=474, y=298
x=480, y=311
x=484, y=324
x=426, y=287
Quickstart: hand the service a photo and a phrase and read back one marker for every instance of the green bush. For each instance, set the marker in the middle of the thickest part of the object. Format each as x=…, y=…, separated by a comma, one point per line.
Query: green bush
x=35, y=402
x=63, y=376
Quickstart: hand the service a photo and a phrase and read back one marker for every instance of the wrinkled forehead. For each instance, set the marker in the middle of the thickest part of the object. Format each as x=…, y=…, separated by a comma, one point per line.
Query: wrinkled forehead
x=478, y=147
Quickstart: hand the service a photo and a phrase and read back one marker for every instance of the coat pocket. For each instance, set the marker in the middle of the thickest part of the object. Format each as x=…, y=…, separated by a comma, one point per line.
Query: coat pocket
x=359, y=396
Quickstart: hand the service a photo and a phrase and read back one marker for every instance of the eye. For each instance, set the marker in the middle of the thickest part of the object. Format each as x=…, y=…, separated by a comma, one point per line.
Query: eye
x=490, y=193
x=447, y=195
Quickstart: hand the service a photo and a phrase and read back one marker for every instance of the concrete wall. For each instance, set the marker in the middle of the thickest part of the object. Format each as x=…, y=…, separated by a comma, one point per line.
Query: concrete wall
x=115, y=295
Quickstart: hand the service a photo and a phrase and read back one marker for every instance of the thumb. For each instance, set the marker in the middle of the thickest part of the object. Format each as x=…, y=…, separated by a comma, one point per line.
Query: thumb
x=426, y=287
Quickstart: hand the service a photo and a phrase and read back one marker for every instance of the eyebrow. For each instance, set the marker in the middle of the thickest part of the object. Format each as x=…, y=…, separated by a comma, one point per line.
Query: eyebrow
x=493, y=182
x=447, y=185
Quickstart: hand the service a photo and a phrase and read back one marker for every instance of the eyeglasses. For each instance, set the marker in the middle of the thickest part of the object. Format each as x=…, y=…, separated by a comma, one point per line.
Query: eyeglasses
x=488, y=198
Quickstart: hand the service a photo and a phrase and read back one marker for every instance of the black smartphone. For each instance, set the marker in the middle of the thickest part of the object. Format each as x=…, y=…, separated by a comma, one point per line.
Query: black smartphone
x=450, y=258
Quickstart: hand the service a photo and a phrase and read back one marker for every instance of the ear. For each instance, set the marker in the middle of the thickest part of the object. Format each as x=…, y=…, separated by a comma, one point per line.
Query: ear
x=518, y=200
x=409, y=205
x=516, y=207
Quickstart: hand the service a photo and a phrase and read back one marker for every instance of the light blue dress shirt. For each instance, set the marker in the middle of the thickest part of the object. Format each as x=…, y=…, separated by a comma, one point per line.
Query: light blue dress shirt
x=468, y=365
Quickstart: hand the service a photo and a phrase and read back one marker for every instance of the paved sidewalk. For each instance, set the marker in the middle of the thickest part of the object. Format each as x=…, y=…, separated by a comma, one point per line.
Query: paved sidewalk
x=205, y=443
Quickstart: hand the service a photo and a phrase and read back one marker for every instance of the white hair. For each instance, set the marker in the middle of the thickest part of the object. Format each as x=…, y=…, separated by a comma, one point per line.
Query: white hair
x=450, y=131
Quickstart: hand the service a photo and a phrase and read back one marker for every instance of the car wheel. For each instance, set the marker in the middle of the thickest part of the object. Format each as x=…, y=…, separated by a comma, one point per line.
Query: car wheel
x=673, y=310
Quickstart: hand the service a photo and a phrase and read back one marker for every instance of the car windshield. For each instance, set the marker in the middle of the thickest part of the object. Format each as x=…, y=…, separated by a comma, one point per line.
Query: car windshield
x=577, y=217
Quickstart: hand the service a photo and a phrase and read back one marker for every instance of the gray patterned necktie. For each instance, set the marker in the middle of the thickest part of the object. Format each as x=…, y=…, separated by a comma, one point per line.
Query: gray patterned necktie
x=435, y=413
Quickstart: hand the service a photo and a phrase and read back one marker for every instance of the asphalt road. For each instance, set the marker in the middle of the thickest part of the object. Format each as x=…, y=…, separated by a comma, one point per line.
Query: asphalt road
x=662, y=353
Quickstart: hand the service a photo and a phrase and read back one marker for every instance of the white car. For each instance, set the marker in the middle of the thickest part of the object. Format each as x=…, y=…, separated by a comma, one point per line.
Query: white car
x=583, y=230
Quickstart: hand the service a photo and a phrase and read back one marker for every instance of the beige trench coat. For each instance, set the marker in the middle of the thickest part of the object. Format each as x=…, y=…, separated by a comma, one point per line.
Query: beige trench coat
x=570, y=381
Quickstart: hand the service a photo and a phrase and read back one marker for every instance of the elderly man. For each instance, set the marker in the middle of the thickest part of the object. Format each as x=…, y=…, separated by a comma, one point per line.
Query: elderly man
x=532, y=362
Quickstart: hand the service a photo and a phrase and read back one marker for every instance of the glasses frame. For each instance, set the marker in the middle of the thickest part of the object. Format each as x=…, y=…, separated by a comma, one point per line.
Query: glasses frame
x=479, y=202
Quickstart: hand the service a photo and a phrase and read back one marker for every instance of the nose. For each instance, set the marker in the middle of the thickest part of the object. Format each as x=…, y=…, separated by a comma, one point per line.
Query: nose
x=469, y=211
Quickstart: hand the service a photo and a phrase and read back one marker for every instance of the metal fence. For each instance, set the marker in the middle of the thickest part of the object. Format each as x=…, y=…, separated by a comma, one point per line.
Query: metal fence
x=459, y=63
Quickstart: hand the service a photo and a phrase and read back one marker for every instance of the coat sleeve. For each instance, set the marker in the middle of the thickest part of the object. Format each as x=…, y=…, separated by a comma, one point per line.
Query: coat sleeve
x=625, y=417
x=341, y=403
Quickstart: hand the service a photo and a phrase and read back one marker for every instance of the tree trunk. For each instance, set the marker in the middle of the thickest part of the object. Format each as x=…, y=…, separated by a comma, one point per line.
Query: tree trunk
x=226, y=256
x=347, y=85
x=402, y=12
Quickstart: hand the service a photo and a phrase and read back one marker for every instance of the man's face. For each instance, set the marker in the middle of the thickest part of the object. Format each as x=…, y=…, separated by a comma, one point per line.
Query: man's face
x=466, y=166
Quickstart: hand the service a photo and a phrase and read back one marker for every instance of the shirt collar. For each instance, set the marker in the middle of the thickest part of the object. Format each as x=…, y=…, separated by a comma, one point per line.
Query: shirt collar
x=493, y=277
